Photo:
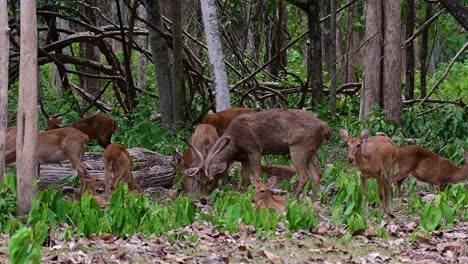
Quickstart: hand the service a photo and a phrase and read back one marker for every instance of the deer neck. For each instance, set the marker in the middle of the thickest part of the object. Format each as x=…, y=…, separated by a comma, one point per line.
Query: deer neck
x=460, y=174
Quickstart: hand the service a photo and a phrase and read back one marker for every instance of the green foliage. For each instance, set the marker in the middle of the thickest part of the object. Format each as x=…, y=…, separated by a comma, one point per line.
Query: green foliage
x=301, y=216
x=24, y=246
x=8, y=223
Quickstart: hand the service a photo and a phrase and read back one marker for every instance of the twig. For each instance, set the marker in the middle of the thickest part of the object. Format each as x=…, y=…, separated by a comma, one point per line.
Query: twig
x=422, y=28
x=447, y=70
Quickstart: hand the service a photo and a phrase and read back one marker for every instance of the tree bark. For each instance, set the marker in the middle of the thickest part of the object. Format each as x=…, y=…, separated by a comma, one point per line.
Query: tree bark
x=315, y=50
x=26, y=140
x=332, y=61
x=216, y=55
x=327, y=31
x=392, y=60
x=409, y=86
x=177, y=66
x=424, y=50
x=143, y=42
x=160, y=52
x=4, y=57
x=372, y=59
x=457, y=10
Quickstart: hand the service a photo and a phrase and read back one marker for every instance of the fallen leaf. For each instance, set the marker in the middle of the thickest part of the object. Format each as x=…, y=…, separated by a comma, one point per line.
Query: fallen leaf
x=269, y=255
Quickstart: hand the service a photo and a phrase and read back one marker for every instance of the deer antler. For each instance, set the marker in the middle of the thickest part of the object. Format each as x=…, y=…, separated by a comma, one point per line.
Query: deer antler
x=202, y=158
x=217, y=148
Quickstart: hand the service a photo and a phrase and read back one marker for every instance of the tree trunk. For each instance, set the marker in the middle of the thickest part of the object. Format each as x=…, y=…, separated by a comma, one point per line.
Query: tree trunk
x=159, y=49
x=409, y=86
x=156, y=169
x=457, y=10
x=177, y=66
x=327, y=31
x=216, y=55
x=424, y=50
x=143, y=42
x=332, y=61
x=372, y=59
x=4, y=57
x=26, y=140
x=253, y=37
x=315, y=50
x=392, y=60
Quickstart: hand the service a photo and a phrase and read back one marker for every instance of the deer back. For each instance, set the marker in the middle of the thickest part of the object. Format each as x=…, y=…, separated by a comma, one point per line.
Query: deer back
x=269, y=132
x=221, y=120
x=58, y=144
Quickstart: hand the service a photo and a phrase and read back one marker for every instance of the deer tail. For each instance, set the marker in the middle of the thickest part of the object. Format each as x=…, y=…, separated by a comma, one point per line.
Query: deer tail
x=326, y=133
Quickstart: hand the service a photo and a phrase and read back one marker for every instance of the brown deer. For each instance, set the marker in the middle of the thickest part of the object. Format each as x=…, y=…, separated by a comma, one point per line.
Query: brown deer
x=55, y=146
x=375, y=157
x=96, y=126
x=428, y=167
x=204, y=137
x=117, y=160
x=264, y=197
x=221, y=121
x=276, y=131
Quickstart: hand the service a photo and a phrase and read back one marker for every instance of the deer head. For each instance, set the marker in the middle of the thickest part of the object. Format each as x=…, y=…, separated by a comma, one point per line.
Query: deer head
x=264, y=197
x=354, y=143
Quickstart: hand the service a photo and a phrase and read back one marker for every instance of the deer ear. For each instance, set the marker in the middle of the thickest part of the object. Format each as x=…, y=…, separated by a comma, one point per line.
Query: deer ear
x=177, y=159
x=344, y=134
x=272, y=182
x=364, y=133
x=253, y=181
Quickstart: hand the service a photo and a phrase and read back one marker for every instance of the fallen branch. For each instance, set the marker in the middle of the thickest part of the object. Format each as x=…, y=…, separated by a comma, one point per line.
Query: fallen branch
x=422, y=28
x=458, y=101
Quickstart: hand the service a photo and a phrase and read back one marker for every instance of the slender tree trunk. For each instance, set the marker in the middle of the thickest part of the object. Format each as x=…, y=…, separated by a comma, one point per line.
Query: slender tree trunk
x=315, y=50
x=332, y=60
x=26, y=137
x=143, y=42
x=177, y=66
x=159, y=49
x=409, y=86
x=253, y=36
x=4, y=56
x=327, y=31
x=424, y=50
x=372, y=59
x=216, y=55
x=392, y=60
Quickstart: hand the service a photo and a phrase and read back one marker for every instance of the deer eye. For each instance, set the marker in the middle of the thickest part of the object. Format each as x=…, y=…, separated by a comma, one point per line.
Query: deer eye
x=262, y=191
x=358, y=145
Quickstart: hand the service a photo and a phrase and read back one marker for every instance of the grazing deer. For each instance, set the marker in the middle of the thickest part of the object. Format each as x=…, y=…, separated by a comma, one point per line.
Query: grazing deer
x=55, y=146
x=428, y=167
x=264, y=198
x=221, y=121
x=204, y=137
x=375, y=157
x=276, y=131
x=117, y=160
x=96, y=126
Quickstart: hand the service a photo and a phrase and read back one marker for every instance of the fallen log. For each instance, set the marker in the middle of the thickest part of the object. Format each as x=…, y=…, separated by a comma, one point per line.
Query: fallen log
x=156, y=169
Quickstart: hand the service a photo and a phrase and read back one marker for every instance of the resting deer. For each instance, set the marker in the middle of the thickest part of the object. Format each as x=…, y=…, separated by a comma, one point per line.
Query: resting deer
x=96, y=126
x=428, y=167
x=276, y=131
x=55, y=146
x=117, y=160
x=375, y=157
x=264, y=198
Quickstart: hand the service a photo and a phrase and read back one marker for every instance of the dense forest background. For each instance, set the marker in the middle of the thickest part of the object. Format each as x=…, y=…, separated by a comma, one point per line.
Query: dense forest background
x=159, y=67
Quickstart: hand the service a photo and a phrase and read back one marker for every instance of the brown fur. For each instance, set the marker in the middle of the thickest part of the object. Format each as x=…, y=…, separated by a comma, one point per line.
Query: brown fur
x=276, y=131
x=375, y=157
x=428, y=167
x=264, y=198
x=55, y=146
x=96, y=126
x=117, y=160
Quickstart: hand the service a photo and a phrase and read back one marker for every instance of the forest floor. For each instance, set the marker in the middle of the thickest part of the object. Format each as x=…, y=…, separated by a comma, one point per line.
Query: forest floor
x=203, y=243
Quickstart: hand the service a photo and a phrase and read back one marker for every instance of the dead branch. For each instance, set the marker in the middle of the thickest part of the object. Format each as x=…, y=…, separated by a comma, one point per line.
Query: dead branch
x=458, y=101
x=422, y=28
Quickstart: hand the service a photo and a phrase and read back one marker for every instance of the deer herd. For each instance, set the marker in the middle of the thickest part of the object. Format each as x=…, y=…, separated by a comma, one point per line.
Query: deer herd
x=244, y=135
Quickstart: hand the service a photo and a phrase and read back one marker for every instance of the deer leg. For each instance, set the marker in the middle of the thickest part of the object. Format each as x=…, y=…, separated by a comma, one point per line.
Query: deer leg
x=255, y=163
x=245, y=171
x=107, y=176
x=104, y=142
x=383, y=190
x=299, y=158
x=364, y=176
x=314, y=171
x=118, y=175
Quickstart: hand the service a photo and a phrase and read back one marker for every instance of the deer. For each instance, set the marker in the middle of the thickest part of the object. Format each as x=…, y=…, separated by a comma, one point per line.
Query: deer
x=264, y=197
x=55, y=146
x=96, y=126
x=375, y=158
x=220, y=121
x=428, y=167
x=117, y=161
x=275, y=131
